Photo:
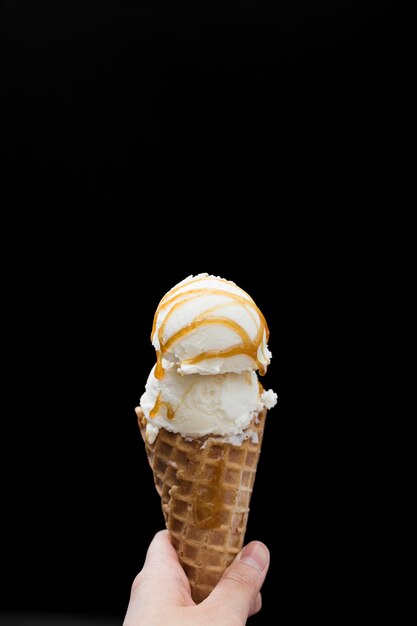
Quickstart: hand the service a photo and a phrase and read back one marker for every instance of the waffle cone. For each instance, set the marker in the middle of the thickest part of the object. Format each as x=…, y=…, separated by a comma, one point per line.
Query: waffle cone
x=205, y=487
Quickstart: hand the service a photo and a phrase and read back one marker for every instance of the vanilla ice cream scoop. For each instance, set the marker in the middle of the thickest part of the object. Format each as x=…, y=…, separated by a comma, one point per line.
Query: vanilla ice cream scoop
x=208, y=325
x=196, y=406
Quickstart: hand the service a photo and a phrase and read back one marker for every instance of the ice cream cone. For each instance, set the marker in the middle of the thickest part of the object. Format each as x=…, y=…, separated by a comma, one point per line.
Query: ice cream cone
x=202, y=418
x=205, y=486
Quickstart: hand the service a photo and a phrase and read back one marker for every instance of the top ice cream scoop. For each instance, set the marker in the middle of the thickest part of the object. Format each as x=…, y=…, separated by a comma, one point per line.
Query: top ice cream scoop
x=208, y=325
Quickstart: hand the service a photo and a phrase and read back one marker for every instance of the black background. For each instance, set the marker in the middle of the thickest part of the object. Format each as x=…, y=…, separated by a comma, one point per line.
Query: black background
x=143, y=143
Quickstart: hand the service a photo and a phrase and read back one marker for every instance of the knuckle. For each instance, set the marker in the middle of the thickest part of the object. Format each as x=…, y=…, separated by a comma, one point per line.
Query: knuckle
x=137, y=583
x=256, y=605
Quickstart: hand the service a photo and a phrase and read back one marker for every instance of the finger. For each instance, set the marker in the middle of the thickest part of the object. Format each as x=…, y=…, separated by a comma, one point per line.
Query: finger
x=258, y=604
x=238, y=590
x=163, y=573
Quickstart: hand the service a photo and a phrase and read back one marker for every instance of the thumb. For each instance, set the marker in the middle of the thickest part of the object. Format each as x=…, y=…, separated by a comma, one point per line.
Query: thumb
x=238, y=591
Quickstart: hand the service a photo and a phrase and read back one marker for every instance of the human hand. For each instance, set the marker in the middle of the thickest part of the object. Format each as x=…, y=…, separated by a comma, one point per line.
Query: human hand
x=161, y=592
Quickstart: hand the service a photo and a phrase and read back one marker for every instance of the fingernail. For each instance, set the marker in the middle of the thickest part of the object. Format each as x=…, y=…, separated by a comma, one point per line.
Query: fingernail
x=255, y=554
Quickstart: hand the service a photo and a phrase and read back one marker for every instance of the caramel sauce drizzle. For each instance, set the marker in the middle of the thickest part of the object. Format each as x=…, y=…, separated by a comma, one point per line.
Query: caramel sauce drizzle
x=159, y=370
x=178, y=297
x=157, y=407
x=207, y=502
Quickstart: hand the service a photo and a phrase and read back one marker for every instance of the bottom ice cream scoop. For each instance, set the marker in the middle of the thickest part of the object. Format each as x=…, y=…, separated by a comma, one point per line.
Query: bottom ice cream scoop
x=196, y=406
